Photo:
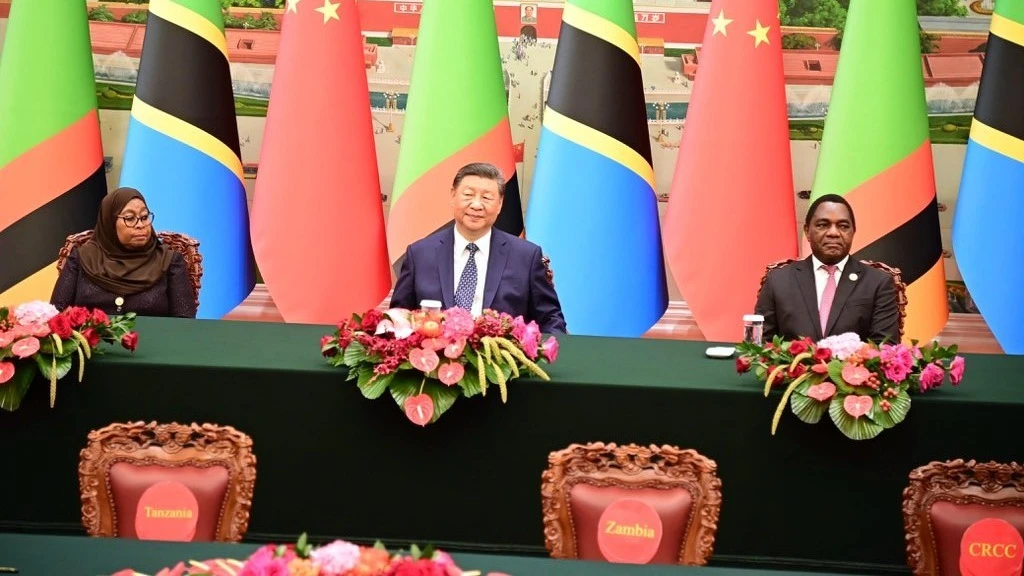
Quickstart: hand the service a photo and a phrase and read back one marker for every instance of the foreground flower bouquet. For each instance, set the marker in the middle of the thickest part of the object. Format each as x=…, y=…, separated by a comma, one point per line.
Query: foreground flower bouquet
x=37, y=339
x=865, y=388
x=339, y=558
x=427, y=359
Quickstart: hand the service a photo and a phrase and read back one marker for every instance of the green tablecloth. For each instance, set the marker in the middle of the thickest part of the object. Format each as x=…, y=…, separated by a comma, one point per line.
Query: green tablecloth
x=35, y=555
x=337, y=465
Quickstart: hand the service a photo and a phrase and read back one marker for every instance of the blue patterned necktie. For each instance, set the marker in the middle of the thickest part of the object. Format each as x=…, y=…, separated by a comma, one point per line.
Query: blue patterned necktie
x=467, y=282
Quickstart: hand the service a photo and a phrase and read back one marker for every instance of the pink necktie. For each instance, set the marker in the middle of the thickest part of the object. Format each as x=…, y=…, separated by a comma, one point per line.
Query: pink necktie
x=827, y=296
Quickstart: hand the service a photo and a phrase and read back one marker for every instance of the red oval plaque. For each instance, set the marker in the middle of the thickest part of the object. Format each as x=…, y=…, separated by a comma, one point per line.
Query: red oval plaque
x=991, y=547
x=167, y=511
x=629, y=532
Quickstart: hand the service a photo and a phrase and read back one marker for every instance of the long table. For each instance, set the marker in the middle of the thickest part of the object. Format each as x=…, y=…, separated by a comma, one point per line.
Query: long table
x=334, y=464
x=38, y=555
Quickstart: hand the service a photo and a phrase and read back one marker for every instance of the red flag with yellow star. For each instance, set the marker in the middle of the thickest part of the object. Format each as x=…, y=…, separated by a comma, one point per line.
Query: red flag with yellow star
x=317, y=219
x=731, y=208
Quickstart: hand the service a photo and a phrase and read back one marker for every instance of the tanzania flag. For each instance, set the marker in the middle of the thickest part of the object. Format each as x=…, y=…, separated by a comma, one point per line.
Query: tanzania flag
x=457, y=113
x=875, y=152
x=182, y=151
x=987, y=238
x=51, y=159
x=592, y=204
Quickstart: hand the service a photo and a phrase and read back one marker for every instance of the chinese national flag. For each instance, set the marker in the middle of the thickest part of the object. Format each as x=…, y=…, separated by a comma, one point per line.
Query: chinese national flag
x=731, y=209
x=317, y=220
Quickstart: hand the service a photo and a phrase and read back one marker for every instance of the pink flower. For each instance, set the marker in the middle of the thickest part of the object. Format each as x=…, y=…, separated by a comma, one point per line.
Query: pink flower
x=458, y=324
x=931, y=377
x=6, y=338
x=6, y=371
x=550, y=348
x=530, y=340
x=454, y=350
x=450, y=373
x=897, y=361
x=842, y=345
x=518, y=328
x=956, y=370
x=855, y=375
x=336, y=558
x=37, y=330
x=37, y=312
x=25, y=347
x=264, y=563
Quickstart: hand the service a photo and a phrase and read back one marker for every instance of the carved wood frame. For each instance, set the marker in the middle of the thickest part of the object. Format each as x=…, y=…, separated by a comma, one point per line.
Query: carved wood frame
x=947, y=482
x=897, y=280
x=170, y=445
x=632, y=466
x=185, y=245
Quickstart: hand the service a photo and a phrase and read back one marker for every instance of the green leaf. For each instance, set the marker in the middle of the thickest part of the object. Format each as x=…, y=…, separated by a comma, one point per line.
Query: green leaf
x=804, y=407
x=835, y=373
x=380, y=546
x=428, y=552
x=372, y=387
x=470, y=383
x=898, y=409
x=354, y=354
x=68, y=347
x=415, y=552
x=45, y=363
x=405, y=385
x=854, y=428
x=12, y=391
x=302, y=546
x=444, y=397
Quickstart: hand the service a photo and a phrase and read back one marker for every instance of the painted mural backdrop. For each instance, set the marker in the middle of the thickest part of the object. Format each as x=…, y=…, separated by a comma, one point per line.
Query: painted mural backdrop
x=953, y=36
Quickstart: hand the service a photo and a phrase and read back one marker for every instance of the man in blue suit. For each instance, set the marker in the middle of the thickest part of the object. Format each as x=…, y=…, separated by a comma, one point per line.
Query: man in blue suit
x=474, y=266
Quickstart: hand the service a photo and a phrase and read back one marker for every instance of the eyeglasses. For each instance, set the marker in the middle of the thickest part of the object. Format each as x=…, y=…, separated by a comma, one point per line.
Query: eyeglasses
x=131, y=220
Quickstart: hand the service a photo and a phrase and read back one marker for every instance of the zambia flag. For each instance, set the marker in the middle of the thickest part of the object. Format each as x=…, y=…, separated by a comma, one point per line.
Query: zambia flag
x=182, y=151
x=51, y=159
x=987, y=238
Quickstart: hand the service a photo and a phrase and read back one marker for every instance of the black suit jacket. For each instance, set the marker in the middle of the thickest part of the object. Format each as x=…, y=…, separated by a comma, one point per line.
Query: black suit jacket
x=789, y=303
x=516, y=280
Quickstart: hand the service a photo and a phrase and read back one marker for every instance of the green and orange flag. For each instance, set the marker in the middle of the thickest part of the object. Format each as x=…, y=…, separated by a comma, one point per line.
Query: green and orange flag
x=457, y=113
x=51, y=158
x=876, y=153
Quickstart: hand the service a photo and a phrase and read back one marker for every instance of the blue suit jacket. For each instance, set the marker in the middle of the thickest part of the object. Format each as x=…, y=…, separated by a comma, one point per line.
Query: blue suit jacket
x=515, y=283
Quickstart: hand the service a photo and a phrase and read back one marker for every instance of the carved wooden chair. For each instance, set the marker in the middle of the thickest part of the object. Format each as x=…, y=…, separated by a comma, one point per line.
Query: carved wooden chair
x=121, y=461
x=582, y=480
x=187, y=246
x=897, y=279
x=547, y=269
x=944, y=498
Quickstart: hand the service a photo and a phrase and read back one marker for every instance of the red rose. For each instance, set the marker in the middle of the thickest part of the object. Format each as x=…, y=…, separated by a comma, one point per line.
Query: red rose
x=60, y=325
x=822, y=354
x=797, y=347
x=99, y=317
x=370, y=320
x=328, y=352
x=796, y=371
x=77, y=315
x=742, y=364
x=92, y=337
x=410, y=567
x=130, y=340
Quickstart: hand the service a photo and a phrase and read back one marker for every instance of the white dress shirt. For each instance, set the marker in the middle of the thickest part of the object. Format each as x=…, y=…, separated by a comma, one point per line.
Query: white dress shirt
x=462, y=257
x=821, y=276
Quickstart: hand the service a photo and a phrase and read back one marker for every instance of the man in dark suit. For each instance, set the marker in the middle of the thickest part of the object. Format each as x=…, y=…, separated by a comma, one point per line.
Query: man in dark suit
x=475, y=266
x=829, y=293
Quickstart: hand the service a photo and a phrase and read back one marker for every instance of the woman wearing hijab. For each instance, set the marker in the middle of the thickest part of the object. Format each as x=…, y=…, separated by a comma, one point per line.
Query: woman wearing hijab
x=124, y=267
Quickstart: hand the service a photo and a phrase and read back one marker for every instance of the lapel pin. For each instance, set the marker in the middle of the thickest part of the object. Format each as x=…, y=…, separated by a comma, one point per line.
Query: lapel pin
x=853, y=277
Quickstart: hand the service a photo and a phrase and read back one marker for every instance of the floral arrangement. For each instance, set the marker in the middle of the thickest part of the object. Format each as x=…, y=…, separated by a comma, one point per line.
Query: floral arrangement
x=339, y=558
x=427, y=359
x=36, y=338
x=864, y=387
